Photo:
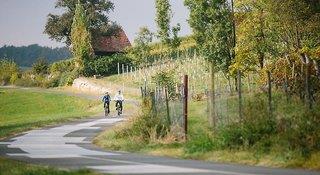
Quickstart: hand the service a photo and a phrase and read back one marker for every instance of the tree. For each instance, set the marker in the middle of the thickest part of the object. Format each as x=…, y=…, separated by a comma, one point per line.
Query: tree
x=256, y=41
x=141, y=49
x=297, y=25
x=212, y=24
x=163, y=18
x=58, y=27
x=81, y=39
x=167, y=35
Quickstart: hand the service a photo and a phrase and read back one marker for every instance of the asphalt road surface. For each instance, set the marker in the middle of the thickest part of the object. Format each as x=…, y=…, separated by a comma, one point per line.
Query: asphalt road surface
x=69, y=146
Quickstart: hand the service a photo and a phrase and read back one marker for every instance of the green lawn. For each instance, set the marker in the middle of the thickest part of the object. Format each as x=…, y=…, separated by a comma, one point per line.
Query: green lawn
x=11, y=167
x=21, y=110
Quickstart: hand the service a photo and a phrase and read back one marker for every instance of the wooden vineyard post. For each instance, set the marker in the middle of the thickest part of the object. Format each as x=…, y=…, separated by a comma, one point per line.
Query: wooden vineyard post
x=240, y=95
x=269, y=94
x=118, y=68
x=167, y=105
x=185, y=106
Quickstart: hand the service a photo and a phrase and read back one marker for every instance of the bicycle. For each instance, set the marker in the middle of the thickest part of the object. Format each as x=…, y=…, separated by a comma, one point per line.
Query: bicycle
x=106, y=110
x=119, y=108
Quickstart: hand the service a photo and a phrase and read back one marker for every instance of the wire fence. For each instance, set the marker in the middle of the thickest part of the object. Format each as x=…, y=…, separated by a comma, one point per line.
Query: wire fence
x=235, y=97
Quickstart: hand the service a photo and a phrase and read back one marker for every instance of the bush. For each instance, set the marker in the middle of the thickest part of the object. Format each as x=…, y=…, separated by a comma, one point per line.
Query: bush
x=256, y=126
x=40, y=67
x=9, y=71
x=62, y=66
x=303, y=134
x=67, y=78
x=107, y=65
x=147, y=126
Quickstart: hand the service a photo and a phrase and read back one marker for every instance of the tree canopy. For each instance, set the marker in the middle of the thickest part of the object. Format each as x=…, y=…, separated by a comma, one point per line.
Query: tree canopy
x=212, y=26
x=58, y=27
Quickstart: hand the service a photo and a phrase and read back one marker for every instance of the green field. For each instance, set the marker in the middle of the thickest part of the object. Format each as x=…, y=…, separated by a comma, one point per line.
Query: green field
x=18, y=168
x=22, y=110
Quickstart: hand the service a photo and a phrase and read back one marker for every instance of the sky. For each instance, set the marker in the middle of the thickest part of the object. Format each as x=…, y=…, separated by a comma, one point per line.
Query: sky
x=22, y=21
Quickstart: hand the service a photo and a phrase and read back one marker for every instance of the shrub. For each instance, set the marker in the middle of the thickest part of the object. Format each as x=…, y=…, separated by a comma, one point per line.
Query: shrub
x=303, y=132
x=9, y=71
x=107, y=65
x=62, y=66
x=256, y=125
x=67, y=78
x=147, y=126
x=40, y=67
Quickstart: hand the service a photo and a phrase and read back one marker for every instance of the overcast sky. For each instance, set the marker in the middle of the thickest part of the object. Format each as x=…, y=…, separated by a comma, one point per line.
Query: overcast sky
x=22, y=21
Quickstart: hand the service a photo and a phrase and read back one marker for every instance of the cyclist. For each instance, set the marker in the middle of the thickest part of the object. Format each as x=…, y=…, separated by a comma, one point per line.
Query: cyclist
x=119, y=99
x=106, y=102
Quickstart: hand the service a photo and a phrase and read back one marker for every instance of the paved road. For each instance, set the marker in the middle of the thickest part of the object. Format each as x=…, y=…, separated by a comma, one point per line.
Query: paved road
x=69, y=146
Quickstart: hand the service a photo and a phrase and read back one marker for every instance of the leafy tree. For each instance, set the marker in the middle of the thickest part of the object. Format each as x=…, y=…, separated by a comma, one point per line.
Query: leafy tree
x=212, y=24
x=163, y=19
x=141, y=49
x=81, y=39
x=58, y=27
x=298, y=30
x=254, y=37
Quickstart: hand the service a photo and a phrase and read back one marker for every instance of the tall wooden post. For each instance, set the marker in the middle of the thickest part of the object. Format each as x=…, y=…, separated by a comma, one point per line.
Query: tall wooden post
x=167, y=106
x=118, y=68
x=185, y=105
x=240, y=94
x=212, y=96
x=269, y=94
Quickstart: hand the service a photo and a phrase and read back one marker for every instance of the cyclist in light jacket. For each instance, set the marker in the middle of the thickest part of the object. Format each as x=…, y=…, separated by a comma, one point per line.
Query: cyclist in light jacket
x=119, y=100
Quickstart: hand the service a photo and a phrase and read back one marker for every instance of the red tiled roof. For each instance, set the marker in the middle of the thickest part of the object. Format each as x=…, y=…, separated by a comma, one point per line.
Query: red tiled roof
x=112, y=44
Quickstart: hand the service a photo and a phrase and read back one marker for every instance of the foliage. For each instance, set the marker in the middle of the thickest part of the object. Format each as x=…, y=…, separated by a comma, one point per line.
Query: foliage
x=212, y=26
x=255, y=39
x=26, y=55
x=67, y=78
x=163, y=18
x=107, y=65
x=40, y=67
x=81, y=38
x=9, y=71
x=58, y=27
x=147, y=127
x=141, y=50
x=165, y=79
x=62, y=66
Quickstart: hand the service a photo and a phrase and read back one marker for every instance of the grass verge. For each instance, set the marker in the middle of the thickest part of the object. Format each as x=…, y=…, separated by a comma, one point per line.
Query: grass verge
x=19, y=168
x=22, y=110
x=271, y=151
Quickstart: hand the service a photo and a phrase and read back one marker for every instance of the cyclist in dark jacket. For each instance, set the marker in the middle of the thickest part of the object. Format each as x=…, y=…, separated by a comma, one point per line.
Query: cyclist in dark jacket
x=106, y=101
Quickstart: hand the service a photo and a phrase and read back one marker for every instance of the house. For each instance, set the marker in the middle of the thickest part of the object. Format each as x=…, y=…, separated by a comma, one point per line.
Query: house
x=109, y=45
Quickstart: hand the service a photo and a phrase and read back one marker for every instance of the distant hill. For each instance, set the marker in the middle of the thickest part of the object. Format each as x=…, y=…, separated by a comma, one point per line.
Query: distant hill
x=25, y=56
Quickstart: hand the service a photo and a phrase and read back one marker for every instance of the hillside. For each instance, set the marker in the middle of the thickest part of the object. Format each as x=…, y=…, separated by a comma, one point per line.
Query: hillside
x=25, y=56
